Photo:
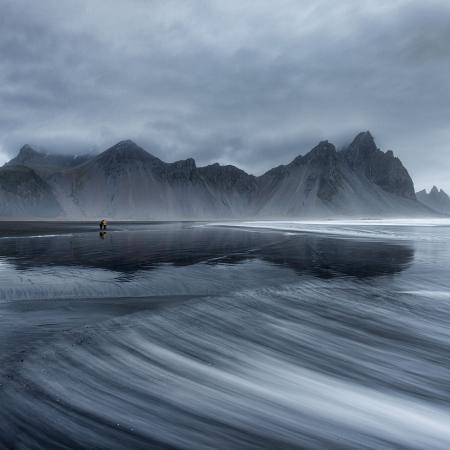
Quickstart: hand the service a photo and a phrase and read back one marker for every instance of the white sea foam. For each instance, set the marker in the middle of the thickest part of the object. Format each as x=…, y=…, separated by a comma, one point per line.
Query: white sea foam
x=364, y=228
x=441, y=295
x=37, y=236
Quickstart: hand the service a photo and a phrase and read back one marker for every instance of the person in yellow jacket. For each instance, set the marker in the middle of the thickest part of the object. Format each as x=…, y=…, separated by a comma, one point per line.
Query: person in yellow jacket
x=103, y=224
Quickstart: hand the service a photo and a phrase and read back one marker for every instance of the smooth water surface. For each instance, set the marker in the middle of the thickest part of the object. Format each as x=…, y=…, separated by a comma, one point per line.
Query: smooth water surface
x=232, y=335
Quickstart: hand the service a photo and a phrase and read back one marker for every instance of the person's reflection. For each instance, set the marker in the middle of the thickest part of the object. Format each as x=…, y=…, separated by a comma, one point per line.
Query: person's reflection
x=102, y=234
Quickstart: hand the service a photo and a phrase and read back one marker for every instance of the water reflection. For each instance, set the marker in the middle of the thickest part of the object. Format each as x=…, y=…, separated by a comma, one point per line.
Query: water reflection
x=136, y=250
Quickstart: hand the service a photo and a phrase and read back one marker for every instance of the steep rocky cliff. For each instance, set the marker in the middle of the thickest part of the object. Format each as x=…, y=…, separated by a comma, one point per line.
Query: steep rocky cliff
x=382, y=168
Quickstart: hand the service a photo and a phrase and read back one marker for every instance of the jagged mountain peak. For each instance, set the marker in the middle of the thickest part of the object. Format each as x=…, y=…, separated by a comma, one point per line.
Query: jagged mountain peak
x=363, y=137
x=45, y=164
x=184, y=167
x=437, y=199
x=126, y=142
x=27, y=150
x=185, y=163
x=381, y=168
x=25, y=154
x=362, y=147
x=434, y=190
x=125, y=181
x=125, y=146
x=125, y=151
x=322, y=149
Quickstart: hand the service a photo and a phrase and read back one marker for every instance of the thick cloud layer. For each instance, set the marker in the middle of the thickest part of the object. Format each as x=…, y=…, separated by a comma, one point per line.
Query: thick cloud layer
x=253, y=83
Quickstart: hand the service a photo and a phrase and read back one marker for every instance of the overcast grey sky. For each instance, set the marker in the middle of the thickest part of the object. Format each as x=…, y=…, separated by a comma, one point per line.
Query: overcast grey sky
x=248, y=82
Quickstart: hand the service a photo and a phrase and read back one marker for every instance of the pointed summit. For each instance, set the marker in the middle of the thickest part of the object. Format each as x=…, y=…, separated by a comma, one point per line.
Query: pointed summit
x=127, y=142
x=436, y=199
x=27, y=150
x=383, y=169
x=125, y=146
x=26, y=154
x=26, y=157
x=363, y=143
x=364, y=135
x=45, y=164
x=323, y=149
x=360, y=151
x=125, y=151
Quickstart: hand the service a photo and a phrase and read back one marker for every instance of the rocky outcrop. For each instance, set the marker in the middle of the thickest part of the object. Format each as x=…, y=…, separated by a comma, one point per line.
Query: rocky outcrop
x=327, y=183
x=382, y=168
x=436, y=199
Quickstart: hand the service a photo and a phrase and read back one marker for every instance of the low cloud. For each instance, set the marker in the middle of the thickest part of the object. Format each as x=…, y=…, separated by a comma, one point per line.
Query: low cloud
x=242, y=82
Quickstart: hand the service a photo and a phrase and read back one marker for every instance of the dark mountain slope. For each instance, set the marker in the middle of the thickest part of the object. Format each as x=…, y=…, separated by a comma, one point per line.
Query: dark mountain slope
x=24, y=193
x=326, y=183
x=382, y=168
x=127, y=182
x=232, y=188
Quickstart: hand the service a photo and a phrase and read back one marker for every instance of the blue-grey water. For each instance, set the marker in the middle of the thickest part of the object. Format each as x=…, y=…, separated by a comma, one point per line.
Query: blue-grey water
x=193, y=335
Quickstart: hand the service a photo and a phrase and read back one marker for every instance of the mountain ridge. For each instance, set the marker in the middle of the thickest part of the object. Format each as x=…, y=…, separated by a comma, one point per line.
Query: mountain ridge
x=44, y=163
x=126, y=181
x=437, y=200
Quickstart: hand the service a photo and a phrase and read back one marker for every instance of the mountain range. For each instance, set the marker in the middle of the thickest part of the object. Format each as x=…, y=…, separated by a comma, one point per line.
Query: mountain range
x=436, y=199
x=127, y=182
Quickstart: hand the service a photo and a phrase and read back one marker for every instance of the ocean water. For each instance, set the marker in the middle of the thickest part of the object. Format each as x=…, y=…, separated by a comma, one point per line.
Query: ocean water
x=259, y=335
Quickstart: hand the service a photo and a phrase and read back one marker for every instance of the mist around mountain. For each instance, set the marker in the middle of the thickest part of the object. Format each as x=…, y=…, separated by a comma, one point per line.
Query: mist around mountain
x=437, y=200
x=45, y=164
x=23, y=193
x=127, y=182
